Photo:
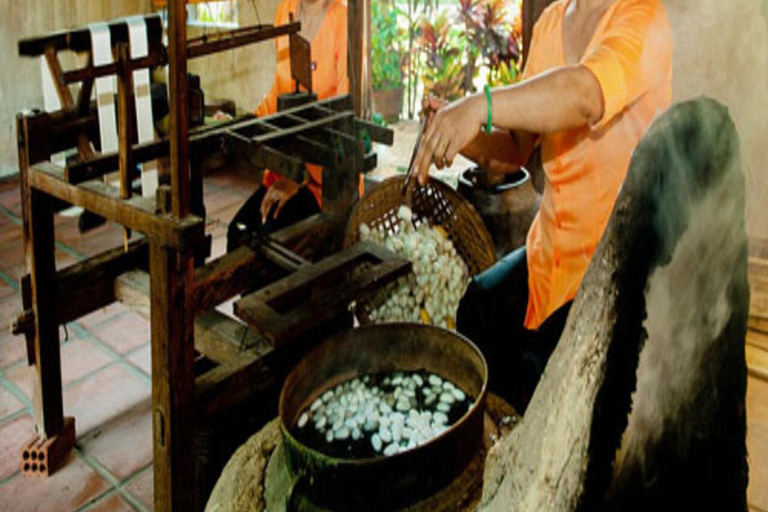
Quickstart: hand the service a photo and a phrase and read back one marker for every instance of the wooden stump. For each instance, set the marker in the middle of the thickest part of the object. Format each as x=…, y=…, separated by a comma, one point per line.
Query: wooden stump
x=651, y=361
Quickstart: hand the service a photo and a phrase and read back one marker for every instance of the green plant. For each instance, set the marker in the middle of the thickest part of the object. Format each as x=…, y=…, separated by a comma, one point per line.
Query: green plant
x=386, y=45
x=494, y=35
x=443, y=71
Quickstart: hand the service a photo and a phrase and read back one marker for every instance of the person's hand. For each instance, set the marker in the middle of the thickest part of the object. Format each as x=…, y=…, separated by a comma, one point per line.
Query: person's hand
x=451, y=128
x=278, y=194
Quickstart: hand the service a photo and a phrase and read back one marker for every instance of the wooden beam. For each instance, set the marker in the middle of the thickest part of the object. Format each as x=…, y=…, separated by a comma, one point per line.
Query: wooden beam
x=179, y=111
x=316, y=294
x=79, y=40
x=257, y=376
x=87, y=286
x=228, y=40
x=137, y=213
x=217, y=336
x=242, y=269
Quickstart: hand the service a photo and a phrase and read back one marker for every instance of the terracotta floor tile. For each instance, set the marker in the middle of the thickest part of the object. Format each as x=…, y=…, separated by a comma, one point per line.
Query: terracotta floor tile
x=124, y=445
x=10, y=307
x=23, y=377
x=103, y=397
x=12, y=348
x=124, y=333
x=10, y=198
x=112, y=503
x=65, y=259
x=100, y=239
x=143, y=489
x=9, y=404
x=225, y=215
x=68, y=489
x=218, y=200
x=12, y=435
x=142, y=358
x=232, y=181
x=78, y=359
x=6, y=290
x=102, y=315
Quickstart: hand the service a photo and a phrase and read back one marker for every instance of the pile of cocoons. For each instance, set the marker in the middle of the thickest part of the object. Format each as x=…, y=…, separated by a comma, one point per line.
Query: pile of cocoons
x=431, y=293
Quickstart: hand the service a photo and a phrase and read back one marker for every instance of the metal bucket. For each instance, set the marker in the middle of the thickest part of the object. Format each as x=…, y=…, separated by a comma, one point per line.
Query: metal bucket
x=383, y=483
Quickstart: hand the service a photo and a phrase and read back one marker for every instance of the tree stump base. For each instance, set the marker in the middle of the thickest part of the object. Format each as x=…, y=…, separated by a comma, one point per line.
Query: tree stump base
x=257, y=476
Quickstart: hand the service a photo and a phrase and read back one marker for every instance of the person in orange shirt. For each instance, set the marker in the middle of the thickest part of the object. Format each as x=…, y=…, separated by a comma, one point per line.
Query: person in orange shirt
x=598, y=72
x=281, y=201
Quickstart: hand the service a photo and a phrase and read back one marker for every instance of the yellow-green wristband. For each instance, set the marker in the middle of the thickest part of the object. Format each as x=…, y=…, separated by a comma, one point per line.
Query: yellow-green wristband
x=490, y=110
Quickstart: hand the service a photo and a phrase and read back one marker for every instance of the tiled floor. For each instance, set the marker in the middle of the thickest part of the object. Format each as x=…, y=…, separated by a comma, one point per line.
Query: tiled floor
x=105, y=371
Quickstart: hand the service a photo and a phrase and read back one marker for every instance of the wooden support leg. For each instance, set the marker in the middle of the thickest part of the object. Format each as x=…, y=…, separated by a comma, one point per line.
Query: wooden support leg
x=172, y=315
x=53, y=441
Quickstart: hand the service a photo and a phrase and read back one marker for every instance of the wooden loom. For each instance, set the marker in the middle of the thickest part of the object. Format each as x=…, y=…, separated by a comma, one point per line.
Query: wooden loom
x=160, y=274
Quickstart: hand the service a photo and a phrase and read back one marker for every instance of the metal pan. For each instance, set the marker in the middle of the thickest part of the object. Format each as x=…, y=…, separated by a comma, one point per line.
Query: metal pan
x=384, y=483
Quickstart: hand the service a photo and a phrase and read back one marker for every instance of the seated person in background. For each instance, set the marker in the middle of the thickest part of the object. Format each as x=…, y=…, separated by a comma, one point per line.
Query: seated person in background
x=598, y=72
x=281, y=201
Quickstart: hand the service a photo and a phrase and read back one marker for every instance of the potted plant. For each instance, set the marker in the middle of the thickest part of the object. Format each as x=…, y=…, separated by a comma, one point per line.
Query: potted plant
x=387, y=59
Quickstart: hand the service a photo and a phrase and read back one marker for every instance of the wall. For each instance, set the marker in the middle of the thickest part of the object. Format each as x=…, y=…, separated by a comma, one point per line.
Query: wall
x=721, y=50
x=20, y=77
x=243, y=75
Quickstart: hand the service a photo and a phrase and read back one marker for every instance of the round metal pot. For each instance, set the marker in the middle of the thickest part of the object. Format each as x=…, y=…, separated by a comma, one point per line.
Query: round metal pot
x=384, y=483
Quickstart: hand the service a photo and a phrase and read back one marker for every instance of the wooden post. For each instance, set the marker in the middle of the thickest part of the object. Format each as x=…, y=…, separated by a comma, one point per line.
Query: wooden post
x=126, y=109
x=40, y=246
x=356, y=44
x=179, y=115
x=173, y=401
x=172, y=313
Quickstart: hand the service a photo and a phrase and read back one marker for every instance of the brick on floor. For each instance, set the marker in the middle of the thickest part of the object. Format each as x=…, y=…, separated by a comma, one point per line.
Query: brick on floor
x=69, y=488
x=103, y=397
x=123, y=446
x=78, y=358
x=124, y=333
x=111, y=503
x=9, y=404
x=142, y=488
x=142, y=358
x=13, y=434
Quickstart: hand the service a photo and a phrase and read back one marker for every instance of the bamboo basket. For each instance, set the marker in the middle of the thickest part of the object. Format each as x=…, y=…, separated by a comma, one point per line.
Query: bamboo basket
x=436, y=204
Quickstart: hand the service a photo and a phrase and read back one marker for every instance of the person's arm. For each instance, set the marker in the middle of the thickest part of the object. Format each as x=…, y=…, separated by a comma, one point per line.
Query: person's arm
x=613, y=74
x=501, y=151
x=564, y=98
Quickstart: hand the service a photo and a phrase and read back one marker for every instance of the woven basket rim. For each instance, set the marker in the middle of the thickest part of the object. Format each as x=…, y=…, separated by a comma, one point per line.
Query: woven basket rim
x=380, y=202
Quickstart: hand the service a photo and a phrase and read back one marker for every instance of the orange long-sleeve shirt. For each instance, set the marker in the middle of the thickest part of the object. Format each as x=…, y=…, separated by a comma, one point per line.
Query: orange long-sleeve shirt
x=329, y=71
x=630, y=54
